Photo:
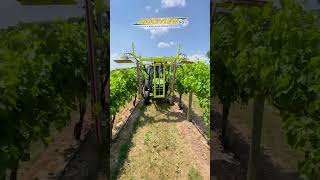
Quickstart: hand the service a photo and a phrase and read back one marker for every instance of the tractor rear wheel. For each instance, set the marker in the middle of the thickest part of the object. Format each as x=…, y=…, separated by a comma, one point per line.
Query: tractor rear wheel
x=147, y=100
x=146, y=93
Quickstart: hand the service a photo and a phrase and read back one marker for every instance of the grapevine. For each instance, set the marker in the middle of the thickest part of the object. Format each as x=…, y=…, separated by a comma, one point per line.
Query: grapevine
x=195, y=78
x=123, y=87
x=43, y=76
x=273, y=54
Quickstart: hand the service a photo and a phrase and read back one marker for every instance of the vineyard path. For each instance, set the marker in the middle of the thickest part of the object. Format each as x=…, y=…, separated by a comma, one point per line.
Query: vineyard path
x=163, y=145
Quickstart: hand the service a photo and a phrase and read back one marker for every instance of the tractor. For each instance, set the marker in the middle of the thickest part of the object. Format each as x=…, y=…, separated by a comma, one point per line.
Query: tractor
x=155, y=75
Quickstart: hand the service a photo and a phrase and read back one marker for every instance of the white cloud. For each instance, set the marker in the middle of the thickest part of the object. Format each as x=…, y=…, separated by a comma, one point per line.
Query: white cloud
x=156, y=10
x=163, y=45
x=199, y=57
x=166, y=44
x=148, y=8
x=173, y=3
x=172, y=43
x=156, y=31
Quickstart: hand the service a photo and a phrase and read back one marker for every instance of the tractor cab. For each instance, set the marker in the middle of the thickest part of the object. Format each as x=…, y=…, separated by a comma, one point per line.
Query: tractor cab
x=160, y=80
x=156, y=83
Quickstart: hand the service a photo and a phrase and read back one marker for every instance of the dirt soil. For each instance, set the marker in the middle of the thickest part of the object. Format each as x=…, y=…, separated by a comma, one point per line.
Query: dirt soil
x=196, y=113
x=198, y=144
x=122, y=117
x=160, y=144
x=124, y=136
x=278, y=161
x=86, y=164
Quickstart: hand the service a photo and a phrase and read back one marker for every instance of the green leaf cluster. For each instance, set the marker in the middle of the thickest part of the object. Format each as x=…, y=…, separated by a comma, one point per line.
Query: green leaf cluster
x=123, y=86
x=195, y=78
x=274, y=53
x=43, y=74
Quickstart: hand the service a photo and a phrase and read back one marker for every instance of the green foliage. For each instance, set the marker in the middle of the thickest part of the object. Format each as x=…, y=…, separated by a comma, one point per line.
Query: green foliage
x=194, y=174
x=147, y=137
x=123, y=86
x=68, y=44
x=224, y=82
x=250, y=61
x=195, y=78
x=274, y=53
x=43, y=72
x=297, y=84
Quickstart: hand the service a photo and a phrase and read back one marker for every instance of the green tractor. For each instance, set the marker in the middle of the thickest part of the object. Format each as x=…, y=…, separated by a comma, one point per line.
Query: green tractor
x=155, y=75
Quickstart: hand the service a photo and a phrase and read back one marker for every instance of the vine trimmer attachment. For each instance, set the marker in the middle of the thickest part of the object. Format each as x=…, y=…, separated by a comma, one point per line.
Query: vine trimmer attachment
x=155, y=75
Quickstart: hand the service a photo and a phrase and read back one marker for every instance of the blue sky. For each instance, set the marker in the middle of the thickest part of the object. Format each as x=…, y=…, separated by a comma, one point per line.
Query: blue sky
x=194, y=39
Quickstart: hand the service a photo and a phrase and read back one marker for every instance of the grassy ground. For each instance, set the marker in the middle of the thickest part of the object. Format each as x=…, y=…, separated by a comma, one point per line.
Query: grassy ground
x=197, y=112
x=195, y=103
x=156, y=149
x=47, y=2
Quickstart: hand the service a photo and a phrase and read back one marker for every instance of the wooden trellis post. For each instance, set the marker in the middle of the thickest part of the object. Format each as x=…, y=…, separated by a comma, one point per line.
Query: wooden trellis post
x=139, y=80
x=256, y=132
x=189, y=107
x=92, y=69
x=174, y=67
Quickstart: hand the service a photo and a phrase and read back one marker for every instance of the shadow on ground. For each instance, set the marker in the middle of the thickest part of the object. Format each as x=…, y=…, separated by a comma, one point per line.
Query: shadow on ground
x=236, y=143
x=86, y=163
x=197, y=119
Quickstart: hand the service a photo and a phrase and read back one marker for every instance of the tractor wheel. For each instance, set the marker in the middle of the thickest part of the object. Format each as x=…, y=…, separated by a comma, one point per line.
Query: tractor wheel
x=146, y=92
x=146, y=97
x=147, y=100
